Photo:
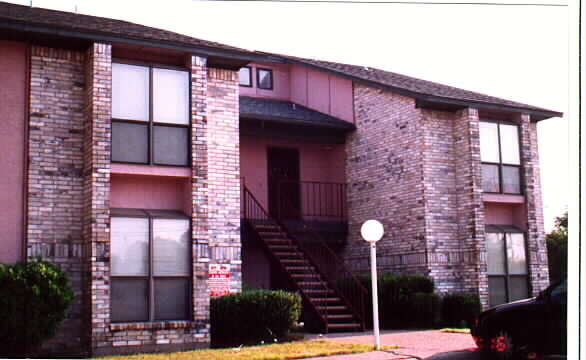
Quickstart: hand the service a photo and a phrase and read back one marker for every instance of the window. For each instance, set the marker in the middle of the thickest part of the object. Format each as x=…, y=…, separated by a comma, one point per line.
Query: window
x=499, y=153
x=245, y=75
x=264, y=79
x=507, y=265
x=150, y=266
x=150, y=115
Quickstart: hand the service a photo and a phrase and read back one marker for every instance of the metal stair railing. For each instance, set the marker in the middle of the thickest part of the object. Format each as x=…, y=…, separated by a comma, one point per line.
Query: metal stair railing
x=326, y=262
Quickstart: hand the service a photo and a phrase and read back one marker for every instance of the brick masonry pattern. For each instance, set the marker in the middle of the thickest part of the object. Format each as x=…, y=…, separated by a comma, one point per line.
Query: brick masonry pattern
x=384, y=175
x=427, y=194
x=224, y=171
x=538, y=266
x=69, y=187
x=418, y=171
x=56, y=175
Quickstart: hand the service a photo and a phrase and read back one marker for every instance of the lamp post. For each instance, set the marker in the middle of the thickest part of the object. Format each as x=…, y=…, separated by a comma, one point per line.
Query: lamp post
x=372, y=231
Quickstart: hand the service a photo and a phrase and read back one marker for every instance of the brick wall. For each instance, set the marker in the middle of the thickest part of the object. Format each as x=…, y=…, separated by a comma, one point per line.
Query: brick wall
x=384, y=175
x=537, y=250
x=69, y=192
x=451, y=183
x=199, y=225
x=224, y=171
x=215, y=182
x=96, y=211
x=56, y=175
x=470, y=208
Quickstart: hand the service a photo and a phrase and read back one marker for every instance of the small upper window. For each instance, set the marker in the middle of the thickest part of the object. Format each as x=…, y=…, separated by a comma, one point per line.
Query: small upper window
x=264, y=78
x=245, y=76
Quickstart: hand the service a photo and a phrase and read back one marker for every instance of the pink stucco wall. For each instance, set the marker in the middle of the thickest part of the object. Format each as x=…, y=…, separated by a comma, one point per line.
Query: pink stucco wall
x=13, y=80
x=150, y=192
x=166, y=171
x=505, y=214
x=281, y=79
x=317, y=162
x=323, y=92
x=317, y=90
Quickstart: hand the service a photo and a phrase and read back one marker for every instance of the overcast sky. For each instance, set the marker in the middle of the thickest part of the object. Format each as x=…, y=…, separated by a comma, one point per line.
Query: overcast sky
x=517, y=52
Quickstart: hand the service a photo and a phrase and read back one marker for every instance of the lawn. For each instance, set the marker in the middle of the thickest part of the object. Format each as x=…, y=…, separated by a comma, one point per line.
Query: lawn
x=292, y=350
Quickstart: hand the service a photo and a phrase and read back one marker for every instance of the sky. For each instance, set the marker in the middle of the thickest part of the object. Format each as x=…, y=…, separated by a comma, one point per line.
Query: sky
x=517, y=52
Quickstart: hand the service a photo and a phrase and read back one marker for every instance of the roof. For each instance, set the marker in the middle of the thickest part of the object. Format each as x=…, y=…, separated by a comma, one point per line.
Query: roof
x=67, y=24
x=424, y=90
x=288, y=112
x=38, y=22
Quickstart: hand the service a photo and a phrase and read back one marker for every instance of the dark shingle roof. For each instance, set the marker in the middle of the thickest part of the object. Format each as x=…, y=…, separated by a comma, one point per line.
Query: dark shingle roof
x=421, y=89
x=288, y=112
x=66, y=24
x=99, y=26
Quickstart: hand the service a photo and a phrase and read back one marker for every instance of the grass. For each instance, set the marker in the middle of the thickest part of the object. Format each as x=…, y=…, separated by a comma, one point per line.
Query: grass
x=292, y=350
x=456, y=330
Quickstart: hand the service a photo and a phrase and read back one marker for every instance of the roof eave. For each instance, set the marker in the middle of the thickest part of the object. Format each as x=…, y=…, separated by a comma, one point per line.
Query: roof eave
x=536, y=115
x=291, y=121
x=232, y=58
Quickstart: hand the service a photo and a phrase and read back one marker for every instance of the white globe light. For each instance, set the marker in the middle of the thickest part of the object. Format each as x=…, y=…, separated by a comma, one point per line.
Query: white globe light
x=372, y=231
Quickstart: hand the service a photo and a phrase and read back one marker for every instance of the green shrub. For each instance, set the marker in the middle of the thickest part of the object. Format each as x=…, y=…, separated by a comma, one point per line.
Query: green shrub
x=459, y=309
x=253, y=316
x=425, y=310
x=34, y=299
x=396, y=293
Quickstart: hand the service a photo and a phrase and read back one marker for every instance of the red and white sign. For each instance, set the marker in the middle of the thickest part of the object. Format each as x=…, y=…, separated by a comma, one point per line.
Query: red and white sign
x=219, y=280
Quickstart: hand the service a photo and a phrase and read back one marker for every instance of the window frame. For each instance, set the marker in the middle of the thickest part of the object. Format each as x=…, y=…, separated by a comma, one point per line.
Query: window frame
x=500, y=163
x=249, y=76
x=150, y=123
x=150, y=277
x=503, y=231
x=258, y=83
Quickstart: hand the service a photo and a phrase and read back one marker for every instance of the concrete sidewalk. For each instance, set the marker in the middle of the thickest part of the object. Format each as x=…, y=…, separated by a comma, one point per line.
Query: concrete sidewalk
x=414, y=344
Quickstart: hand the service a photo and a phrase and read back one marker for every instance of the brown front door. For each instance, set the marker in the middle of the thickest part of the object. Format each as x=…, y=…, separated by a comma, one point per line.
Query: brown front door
x=283, y=181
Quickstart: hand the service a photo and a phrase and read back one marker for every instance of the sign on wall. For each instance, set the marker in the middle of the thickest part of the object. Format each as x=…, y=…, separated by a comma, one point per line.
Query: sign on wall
x=219, y=279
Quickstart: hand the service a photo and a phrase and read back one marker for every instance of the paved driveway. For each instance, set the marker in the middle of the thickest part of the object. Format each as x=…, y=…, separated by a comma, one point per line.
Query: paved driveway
x=416, y=344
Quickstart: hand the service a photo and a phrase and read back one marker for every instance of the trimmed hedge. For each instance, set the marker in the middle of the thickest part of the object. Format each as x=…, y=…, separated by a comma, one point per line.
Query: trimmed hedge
x=405, y=301
x=34, y=299
x=409, y=301
x=459, y=309
x=253, y=316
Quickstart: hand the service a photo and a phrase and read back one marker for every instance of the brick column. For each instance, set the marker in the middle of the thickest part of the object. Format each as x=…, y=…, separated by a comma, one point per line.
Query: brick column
x=470, y=206
x=96, y=190
x=200, y=229
x=537, y=251
x=55, y=176
x=224, y=172
x=215, y=181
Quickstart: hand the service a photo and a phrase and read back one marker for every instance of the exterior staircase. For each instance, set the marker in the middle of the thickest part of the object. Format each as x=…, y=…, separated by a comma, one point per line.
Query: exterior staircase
x=339, y=304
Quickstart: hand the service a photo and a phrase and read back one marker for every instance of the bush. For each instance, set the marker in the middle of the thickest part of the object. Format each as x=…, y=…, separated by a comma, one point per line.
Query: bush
x=396, y=294
x=397, y=304
x=253, y=316
x=426, y=310
x=34, y=299
x=459, y=309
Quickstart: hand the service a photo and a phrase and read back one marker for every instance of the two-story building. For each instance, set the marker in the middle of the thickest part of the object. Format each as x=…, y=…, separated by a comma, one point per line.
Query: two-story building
x=135, y=158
